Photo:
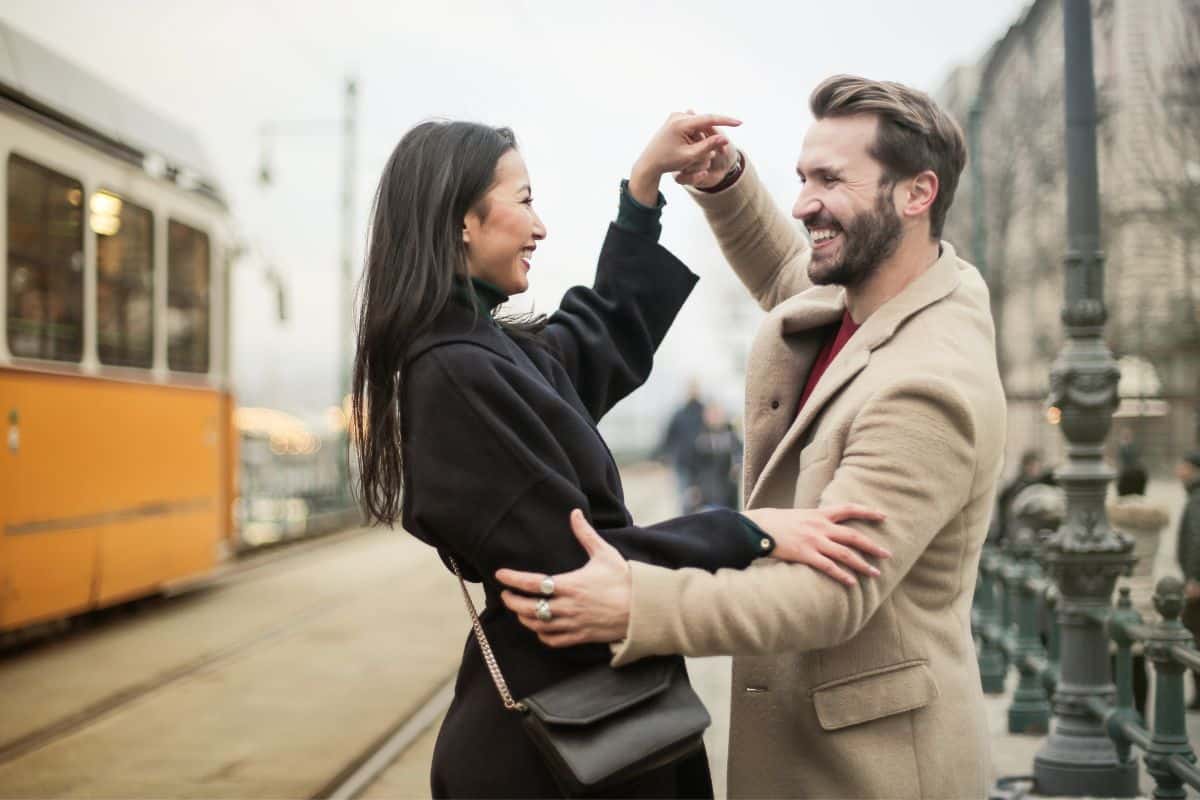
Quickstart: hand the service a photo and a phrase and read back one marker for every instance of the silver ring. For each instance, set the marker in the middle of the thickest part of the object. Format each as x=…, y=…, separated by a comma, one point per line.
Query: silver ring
x=547, y=586
x=543, y=610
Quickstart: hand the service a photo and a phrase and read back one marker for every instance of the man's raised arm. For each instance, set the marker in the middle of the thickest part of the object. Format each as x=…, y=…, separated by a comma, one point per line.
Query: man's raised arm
x=766, y=249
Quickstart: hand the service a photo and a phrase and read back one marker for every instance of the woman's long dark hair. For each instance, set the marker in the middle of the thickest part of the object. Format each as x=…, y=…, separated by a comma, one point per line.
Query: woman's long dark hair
x=437, y=174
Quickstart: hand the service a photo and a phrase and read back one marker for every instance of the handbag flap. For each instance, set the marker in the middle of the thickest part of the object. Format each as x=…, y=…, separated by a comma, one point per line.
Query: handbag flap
x=600, y=692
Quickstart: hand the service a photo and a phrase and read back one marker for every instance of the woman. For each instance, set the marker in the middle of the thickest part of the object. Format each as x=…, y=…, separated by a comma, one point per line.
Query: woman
x=489, y=422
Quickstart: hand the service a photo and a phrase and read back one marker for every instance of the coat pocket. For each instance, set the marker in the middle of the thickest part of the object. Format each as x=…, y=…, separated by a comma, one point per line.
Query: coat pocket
x=875, y=694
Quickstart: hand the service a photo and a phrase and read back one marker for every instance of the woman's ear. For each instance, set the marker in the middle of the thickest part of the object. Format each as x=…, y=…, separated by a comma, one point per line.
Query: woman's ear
x=470, y=223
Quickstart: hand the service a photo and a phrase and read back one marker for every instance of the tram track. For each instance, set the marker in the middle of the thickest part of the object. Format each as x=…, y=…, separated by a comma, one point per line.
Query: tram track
x=363, y=771
x=63, y=727
x=259, y=565
x=333, y=616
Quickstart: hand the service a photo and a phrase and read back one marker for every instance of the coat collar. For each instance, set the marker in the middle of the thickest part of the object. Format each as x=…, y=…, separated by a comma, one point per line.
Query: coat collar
x=823, y=305
x=458, y=321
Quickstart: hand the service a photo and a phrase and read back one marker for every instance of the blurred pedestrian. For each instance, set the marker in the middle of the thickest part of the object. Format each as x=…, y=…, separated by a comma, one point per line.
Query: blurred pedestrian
x=1142, y=518
x=1188, y=550
x=1030, y=472
x=1129, y=454
x=716, y=462
x=678, y=446
x=485, y=424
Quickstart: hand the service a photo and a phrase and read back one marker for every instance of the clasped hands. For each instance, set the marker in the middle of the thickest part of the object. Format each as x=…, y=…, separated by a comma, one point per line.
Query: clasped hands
x=591, y=604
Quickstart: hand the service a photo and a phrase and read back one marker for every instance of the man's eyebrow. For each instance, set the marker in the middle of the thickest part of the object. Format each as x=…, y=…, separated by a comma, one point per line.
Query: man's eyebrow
x=820, y=169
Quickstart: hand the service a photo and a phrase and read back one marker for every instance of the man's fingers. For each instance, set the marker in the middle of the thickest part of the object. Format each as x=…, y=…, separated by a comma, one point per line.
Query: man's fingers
x=859, y=541
x=561, y=639
x=834, y=571
x=526, y=582
x=699, y=150
x=848, y=511
x=526, y=607
x=585, y=533
x=849, y=558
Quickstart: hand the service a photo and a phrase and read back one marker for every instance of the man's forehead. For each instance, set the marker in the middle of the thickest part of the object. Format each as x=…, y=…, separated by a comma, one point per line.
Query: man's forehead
x=837, y=142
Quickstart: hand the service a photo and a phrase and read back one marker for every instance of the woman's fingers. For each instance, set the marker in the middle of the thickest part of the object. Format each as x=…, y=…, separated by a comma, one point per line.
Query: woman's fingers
x=859, y=541
x=831, y=569
x=849, y=558
x=848, y=511
x=698, y=122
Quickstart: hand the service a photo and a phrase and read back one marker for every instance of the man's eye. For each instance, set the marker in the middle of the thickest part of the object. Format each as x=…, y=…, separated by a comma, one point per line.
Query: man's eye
x=830, y=180
x=528, y=201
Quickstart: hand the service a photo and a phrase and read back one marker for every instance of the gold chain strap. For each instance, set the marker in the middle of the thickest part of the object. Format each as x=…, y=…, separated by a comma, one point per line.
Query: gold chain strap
x=489, y=658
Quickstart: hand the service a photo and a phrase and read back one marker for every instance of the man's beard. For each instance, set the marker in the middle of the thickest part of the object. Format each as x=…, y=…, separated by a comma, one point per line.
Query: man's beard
x=869, y=240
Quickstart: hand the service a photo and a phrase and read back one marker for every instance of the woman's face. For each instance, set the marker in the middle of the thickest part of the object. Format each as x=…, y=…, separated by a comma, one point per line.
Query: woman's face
x=500, y=243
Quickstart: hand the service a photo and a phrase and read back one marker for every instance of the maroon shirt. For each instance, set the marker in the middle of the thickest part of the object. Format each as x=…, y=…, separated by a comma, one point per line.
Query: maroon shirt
x=833, y=345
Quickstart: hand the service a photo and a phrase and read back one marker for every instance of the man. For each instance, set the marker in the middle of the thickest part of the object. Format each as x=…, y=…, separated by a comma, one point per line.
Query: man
x=1029, y=472
x=1188, y=551
x=873, y=379
x=679, y=440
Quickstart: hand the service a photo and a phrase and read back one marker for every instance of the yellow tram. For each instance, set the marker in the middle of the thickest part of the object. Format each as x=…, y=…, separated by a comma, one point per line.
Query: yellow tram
x=118, y=468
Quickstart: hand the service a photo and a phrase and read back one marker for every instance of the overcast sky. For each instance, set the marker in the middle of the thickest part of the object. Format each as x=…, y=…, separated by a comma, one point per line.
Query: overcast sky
x=582, y=84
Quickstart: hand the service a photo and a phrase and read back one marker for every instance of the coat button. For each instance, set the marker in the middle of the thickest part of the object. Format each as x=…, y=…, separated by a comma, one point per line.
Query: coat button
x=765, y=544
x=774, y=404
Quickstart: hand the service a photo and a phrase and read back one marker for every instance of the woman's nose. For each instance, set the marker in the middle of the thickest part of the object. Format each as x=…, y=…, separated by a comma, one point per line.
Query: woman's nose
x=539, y=228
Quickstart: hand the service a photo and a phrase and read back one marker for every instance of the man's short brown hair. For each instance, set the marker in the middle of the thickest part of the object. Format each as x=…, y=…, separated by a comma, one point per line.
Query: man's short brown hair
x=914, y=134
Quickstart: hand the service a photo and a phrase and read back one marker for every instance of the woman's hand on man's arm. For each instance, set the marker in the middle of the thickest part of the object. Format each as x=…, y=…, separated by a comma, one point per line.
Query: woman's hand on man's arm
x=591, y=604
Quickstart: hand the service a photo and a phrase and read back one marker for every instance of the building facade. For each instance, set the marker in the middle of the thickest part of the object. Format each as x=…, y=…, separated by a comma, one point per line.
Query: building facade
x=1010, y=211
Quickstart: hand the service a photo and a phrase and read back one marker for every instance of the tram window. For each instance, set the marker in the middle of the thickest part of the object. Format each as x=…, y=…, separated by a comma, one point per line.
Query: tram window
x=124, y=280
x=187, y=298
x=45, y=262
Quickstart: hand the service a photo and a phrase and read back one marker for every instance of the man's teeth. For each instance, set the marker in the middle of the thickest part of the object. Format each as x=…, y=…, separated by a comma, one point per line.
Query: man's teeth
x=822, y=235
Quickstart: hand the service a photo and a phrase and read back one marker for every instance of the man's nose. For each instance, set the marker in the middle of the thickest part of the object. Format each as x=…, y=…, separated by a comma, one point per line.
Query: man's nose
x=806, y=205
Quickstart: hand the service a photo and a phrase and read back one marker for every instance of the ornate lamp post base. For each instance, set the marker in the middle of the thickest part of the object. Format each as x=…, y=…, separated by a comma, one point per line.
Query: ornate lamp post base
x=1083, y=763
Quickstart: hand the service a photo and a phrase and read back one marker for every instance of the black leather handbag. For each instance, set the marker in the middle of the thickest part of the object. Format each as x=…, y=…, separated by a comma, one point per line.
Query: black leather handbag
x=605, y=726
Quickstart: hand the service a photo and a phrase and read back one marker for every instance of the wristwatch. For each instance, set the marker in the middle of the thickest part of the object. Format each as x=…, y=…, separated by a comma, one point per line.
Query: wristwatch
x=731, y=176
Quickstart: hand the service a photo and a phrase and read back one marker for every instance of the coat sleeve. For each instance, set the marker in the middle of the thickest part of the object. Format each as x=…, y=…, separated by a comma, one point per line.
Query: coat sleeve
x=488, y=481
x=919, y=473
x=767, y=251
x=606, y=336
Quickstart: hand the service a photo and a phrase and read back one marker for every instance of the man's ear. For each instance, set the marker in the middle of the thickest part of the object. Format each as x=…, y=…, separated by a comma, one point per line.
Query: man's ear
x=921, y=194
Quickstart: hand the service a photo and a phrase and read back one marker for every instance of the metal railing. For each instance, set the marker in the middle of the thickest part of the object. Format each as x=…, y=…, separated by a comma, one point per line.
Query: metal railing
x=1015, y=623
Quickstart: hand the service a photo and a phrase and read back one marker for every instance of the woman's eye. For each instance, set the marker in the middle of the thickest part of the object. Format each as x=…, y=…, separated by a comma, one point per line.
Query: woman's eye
x=528, y=201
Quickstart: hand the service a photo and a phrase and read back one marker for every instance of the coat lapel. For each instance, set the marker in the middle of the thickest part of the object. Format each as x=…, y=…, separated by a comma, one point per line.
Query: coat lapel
x=794, y=329
x=780, y=359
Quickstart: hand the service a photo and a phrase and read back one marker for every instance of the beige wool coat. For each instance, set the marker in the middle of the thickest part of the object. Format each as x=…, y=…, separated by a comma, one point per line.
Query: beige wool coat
x=872, y=691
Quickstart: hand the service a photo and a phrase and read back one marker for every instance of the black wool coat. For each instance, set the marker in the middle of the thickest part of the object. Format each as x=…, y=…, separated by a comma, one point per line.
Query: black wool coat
x=499, y=444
